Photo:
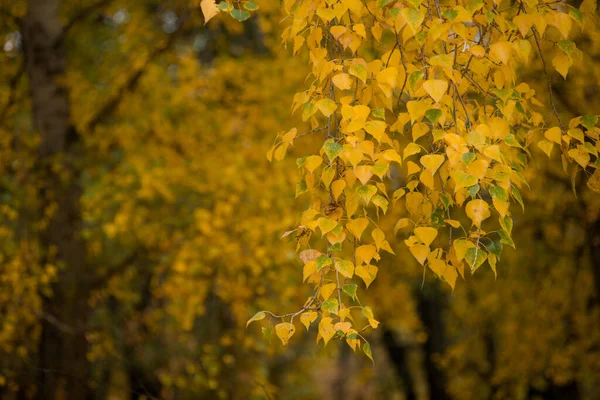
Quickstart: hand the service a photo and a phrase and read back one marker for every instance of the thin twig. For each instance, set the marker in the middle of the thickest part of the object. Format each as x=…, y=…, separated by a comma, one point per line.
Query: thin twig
x=550, y=92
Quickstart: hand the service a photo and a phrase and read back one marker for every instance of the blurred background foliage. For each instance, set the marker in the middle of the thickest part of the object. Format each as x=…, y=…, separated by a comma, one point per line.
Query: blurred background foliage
x=181, y=217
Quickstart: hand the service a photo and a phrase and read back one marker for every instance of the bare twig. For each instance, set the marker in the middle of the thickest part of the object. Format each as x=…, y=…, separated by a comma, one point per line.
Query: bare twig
x=550, y=91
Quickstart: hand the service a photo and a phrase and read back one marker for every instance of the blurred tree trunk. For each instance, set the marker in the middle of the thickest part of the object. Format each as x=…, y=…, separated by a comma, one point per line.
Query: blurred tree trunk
x=432, y=305
x=398, y=355
x=62, y=365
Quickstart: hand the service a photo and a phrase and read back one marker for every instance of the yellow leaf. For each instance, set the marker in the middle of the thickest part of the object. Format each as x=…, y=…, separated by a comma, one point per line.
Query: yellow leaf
x=553, y=135
x=412, y=168
x=450, y=276
x=326, y=329
x=562, y=22
x=562, y=63
x=337, y=187
x=309, y=255
x=284, y=332
x=410, y=149
x=313, y=162
x=420, y=252
x=453, y=223
x=580, y=156
x=493, y=152
x=209, y=9
x=477, y=210
x=365, y=253
x=499, y=128
x=402, y=223
x=478, y=168
x=257, y=317
x=435, y=88
x=326, y=106
x=326, y=224
x=309, y=269
x=594, y=181
x=460, y=248
x=437, y=266
x=337, y=31
x=357, y=226
x=367, y=273
x=342, y=81
x=363, y=173
x=478, y=51
x=492, y=261
x=426, y=178
x=359, y=71
x=432, y=162
x=280, y=152
x=376, y=129
x=342, y=326
x=546, y=146
x=426, y=234
x=327, y=290
x=523, y=23
x=307, y=318
x=501, y=51
x=345, y=267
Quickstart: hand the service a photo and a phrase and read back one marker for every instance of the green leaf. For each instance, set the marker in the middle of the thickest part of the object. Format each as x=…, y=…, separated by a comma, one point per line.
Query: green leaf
x=300, y=161
x=359, y=71
x=383, y=3
x=323, y=261
x=225, y=6
x=589, y=121
x=367, y=350
x=498, y=193
x=451, y=15
x=308, y=109
x=301, y=187
x=433, y=115
x=241, y=15
x=413, y=78
x=350, y=289
x=268, y=332
x=379, y=113
x=517, y=195
x=506, y=223
x=330, y=305
x=506, y=239
x=250, y=5
x=495, y=248
x=567, y=46
x=366, y=192
x=446, y=200
x=333, y=149
x=473, y=190
x=336, y=247
x=576, y=14
x=468, y=158
x=475, y=257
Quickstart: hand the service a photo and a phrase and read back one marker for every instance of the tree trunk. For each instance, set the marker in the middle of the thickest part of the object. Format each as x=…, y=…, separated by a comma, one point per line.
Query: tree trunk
x=431, y=307
x=63, y=366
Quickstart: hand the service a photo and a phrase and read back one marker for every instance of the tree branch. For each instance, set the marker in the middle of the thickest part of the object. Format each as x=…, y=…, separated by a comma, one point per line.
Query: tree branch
x=80, y=16
x=12, y=94
x=115, y=269
x=131, y=83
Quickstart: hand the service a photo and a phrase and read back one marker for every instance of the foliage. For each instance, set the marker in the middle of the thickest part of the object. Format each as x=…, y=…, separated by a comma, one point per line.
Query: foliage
x=431, y=92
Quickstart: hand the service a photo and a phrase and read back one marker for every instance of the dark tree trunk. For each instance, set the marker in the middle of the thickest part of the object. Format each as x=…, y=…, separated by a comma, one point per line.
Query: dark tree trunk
x=431, y=308
x=555, y=392
x=398, y=355
x=594, y=243
x=63, y=366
